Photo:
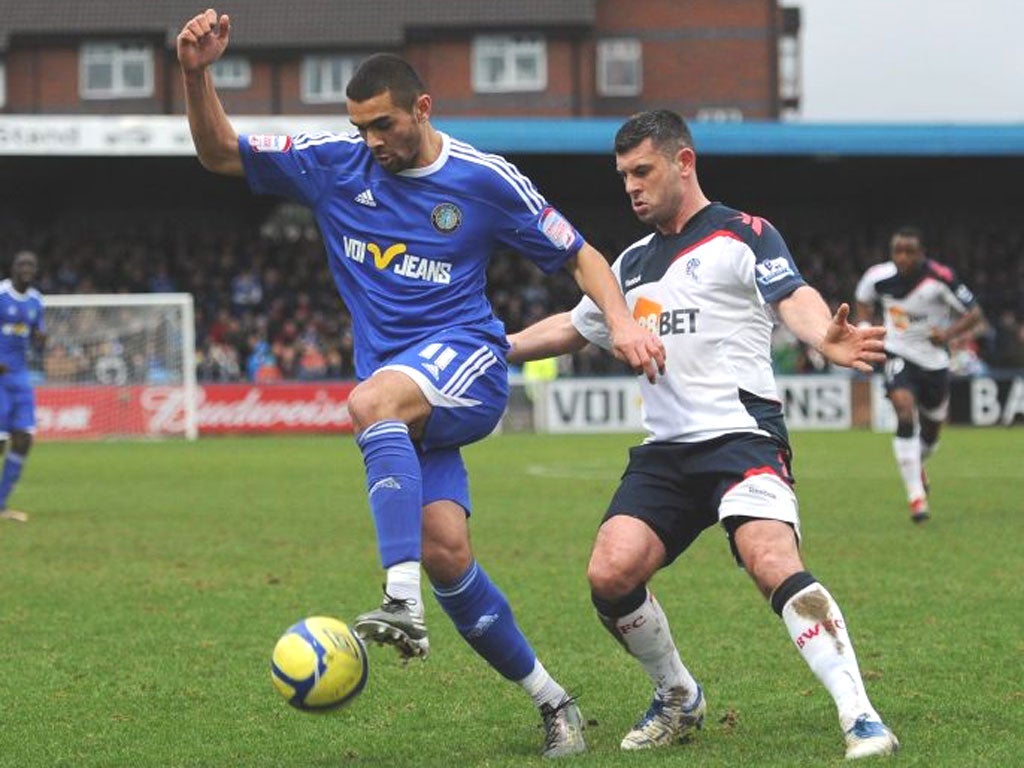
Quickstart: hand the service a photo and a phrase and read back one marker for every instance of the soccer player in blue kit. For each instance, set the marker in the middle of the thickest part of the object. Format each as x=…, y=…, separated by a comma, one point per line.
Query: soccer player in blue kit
x=711, y=280
x=410, y=218
x=21, y=326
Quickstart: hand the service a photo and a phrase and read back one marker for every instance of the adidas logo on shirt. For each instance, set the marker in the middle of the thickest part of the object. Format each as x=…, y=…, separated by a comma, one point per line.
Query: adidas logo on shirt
x=366, y=198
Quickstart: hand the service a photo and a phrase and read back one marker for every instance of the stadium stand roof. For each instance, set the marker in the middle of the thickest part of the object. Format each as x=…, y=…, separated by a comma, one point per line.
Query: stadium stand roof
x=168, y=135
x=288, y=23
x=594, y=136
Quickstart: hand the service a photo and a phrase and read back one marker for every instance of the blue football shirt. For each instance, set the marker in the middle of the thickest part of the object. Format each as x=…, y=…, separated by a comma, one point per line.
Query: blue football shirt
x=409, y=251
x=20, y=315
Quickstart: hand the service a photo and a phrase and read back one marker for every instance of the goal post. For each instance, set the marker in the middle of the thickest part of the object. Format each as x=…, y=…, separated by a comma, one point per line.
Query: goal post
x=118, y=365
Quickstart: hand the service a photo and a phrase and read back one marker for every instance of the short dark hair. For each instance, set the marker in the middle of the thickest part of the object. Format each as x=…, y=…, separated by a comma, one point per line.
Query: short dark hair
x=24, y=254
x=386, y=72
x=666, y=129
x=908, y=230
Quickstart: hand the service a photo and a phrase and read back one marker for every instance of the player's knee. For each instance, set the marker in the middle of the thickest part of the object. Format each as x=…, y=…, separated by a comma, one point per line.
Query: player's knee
x=445, y=561
x=769, y=568
x=366, y=405
x=769, y=554
x=21, y=442
x=611, y=577
x=904, y=408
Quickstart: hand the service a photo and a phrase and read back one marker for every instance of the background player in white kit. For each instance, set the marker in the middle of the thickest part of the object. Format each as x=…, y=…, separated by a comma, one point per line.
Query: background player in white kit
x=924, y=306
x=708, y=281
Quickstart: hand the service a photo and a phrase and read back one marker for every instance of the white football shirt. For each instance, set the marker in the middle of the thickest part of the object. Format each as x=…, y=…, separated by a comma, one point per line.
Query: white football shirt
x=707, y=293
x=913, y=305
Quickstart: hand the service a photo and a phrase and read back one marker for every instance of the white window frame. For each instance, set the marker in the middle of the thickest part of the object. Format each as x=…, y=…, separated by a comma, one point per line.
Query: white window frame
x=323, y=64
x=232, y=72
x=508, y=49
x=712, y=114
x=619, y=50
x=789, y=68
x=117, y=55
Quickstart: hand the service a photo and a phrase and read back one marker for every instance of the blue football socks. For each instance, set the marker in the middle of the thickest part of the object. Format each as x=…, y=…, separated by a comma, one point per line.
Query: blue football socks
x=394, y=485
x=484, y=618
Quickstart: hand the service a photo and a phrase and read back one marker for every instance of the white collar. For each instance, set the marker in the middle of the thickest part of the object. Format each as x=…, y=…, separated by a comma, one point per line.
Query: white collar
x=434, y=167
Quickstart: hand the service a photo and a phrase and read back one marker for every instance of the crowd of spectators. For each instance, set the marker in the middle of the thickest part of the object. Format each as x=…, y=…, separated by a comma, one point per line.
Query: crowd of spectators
x=267, y=309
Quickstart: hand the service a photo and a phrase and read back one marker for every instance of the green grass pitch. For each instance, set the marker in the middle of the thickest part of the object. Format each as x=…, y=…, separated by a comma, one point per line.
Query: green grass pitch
x=140, y=604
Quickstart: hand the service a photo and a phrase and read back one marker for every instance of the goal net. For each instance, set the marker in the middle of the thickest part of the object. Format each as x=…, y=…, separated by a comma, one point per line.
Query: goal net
x=118, y=365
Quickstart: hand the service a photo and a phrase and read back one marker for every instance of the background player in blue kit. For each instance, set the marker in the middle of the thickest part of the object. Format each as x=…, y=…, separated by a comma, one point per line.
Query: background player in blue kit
x=711, y=280
x=21, y=327
x=410, y=218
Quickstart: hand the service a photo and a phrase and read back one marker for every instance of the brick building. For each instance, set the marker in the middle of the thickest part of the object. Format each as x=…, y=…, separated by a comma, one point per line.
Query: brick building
x=712, y=59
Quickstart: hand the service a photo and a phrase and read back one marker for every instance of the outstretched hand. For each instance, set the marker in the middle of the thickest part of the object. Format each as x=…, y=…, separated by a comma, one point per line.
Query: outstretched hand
x=850, y=345
x=202, y=40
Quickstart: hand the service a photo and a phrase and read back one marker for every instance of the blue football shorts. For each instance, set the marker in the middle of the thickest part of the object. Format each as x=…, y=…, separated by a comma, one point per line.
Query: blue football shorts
x=17, y=406
x=681, y=489
x=464, y=377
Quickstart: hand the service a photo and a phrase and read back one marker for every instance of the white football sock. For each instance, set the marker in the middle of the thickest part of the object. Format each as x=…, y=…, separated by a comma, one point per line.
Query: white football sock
x=542, y=686
x=403, y=583
x=818, y=629
x=908, y=458
x=646, y=634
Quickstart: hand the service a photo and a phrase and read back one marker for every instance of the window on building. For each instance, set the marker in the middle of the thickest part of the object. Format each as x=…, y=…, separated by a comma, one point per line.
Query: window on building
x=324, y=78
x=619, y=67
x=116, y=70
x=507, y=63
x=790, y=85
x=232, y=72
x=720, y=114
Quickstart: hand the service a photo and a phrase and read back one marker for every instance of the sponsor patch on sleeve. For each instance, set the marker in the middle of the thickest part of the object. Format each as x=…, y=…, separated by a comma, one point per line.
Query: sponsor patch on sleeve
x=964, y=294
x=263, y=142
x=773, y=270
x=557, y=229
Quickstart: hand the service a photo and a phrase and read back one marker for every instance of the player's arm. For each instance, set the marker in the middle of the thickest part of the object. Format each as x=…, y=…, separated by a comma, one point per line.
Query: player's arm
x=631, y=343
x=866, y=298
x=550, y=337
x=200, y=43
x=807, y=315
x=964, y=324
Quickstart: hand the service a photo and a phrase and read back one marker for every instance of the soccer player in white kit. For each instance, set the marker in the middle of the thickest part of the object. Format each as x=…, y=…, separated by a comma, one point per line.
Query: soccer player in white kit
x=924, y=306
x=710, y=280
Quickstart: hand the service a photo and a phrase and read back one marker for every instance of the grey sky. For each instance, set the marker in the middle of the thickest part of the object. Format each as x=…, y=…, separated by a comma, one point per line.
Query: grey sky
x=912, y=60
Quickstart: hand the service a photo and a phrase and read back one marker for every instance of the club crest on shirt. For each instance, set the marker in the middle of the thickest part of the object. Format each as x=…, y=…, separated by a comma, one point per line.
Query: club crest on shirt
x=446, y=218
x=691, y=268
x=262, y=142
x=15, y=329
x=557, y=229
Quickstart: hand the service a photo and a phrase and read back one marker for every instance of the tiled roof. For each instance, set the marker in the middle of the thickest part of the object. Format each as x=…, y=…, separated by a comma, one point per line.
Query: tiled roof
x=287, y=23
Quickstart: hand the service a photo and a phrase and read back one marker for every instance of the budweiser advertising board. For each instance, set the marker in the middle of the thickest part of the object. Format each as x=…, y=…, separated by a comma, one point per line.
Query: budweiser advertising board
x=90, y=412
